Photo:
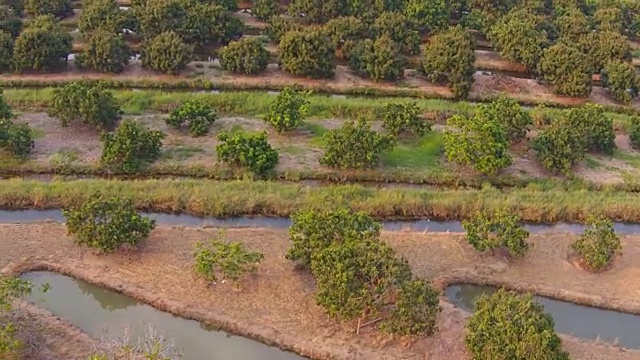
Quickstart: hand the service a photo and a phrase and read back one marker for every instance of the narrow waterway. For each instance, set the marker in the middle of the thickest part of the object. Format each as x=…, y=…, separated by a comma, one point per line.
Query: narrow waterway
x=104, y=313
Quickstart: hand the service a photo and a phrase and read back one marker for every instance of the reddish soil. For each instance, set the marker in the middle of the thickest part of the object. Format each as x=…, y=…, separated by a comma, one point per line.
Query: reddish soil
x=277, y=303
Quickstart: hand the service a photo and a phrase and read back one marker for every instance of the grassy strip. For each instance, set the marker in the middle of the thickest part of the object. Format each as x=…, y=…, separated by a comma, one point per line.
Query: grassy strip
x=276, y=199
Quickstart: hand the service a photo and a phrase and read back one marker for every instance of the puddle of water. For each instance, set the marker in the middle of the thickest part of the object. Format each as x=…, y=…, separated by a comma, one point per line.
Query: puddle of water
x=580, y=321
x=26, y=216
x=101, y=312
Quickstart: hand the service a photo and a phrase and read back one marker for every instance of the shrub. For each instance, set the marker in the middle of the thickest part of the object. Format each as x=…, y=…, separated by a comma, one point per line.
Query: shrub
x=506, y=325
x=107, y=223
x=429, y=15
x=12, y=289
x=354, y=146
x=6, y=50
x=86, y=101
x=509, y=114
x=378, y=59
x=105, y=52
x=130, y=147
x=265, y=9
x=604, y=46
x=278, y=26
x=449, y=58
x=558, y=147
x=245, y=56
x=343, y=29
x=101, y=14
x=249, y=151
x=209, y=24
x=198, y=115
x=318, y=11
x=289, y=109
x=478, y=142
x=59, y=8
x=166, y=53
x=230, y=260
x=634, y=132
x=567, y=69
x=416, y=309
x=314, y=230
x=399, y=118
x=595, y=126
x=17, y=139
x=622, y=80
x=399, y=29
x=42, y=46
x=5, y=110
x=501, y=229
x=307, y=53
x=598, y=243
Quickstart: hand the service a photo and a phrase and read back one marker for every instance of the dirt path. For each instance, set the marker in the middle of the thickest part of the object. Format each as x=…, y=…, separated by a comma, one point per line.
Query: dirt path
x=278, y=303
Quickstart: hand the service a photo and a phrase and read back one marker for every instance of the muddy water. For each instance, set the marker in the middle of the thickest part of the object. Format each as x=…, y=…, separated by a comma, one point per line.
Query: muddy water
x=580, y=321
x=22, y=216
x=104, y=313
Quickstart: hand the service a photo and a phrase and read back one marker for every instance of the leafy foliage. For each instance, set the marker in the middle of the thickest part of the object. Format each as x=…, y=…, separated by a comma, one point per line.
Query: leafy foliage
x=166, y=53
x=58, y=8
x=41, y=46
x=429, y=15
x=17, y=139
x=12, y=289
x=107, y=223
x=354, y=146
x=100, y=14
x=506, y=325
x=344, y=29
x=289, y=109
x=558, y=147
x=264, y=9
x=500, y=229
x=307, y=53
x=230, y=260
x=567, y=69
x=87, y=101
x=198, y=115
x=449, y=58
x=130, y=147
x=318, y=11
x=622, y=80
x=479, y=141
x=506, y=111
x=604, y=46
x=400, y=30
x=245, y=150
x=598, y=243
x=595, y=126
x=278, y=26
x=398, y=118
x=634, y=132
x=416, y=309
x=6, y=50
x=245, y=56
x=378, y=58
x=105, y=52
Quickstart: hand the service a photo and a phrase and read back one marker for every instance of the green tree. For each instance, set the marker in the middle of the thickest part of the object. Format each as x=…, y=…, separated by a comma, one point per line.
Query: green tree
x=130, y=147
x=605, y=46
x=58, y=8
x=318, y=11
x=17, y=139
x=497, y=230
x=209, y=24
x=289, y=109
x=228, y=5
x=105, y=52
x=245, y=56
x=634, y=132
x=5, y=110
x=229, y=260
x=572, y=25
x=598, y=244
x=595, y=127
x=416, y=309
x=87, y=101
x=344, y=29
x=166, y=53
x=265, y=9
x=379, y=59
x=6, y=50
x=558, y=147
x=103, y=14
x=622, y=80
x=251, y=151
x=278, y=26
x=107, y=223
x=314, y=230
x=509, y=114
x=10, y=21
x=12, y=289
x=41, y=46
x=506, y=325
x=157, y=17
x=198, y=116
x=449, y=59
x=354, y=146
x=567, y=69
x=479, y=142
x=399, y=118
x=609, y=18
x=431, y=16
x=400, y=30
x=307, y=53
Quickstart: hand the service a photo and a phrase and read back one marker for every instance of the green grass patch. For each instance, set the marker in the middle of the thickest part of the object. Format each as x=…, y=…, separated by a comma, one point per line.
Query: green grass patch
x=591, y=162
x=628, y=158
x=419, y=154
x=181, y=153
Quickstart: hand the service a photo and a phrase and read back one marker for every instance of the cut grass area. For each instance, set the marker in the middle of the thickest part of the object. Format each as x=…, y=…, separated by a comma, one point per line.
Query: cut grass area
x=181, y=153
x=418, y=154
x=234, y=198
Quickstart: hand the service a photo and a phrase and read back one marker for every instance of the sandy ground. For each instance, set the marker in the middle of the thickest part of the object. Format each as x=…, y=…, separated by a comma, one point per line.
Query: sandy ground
x=56, y=146
x=278, y=303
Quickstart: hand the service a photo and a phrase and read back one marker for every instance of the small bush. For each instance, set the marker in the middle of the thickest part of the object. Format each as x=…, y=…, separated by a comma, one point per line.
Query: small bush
x=249, y=151
x=198, y=115
x=264, y=9
x=506, y=111
x=130, y=147
x=416, y=310
x=506, y=325
x=399, y=118
x=378, y=59
x=107, y=224
x=244, y=56
x=634, y=132
x=500, y=229
x=17, y=139
x=230, y=260
x=105, y=52
x=308, y=53
x=598, y=243
x=166, y=53
x=354, y=146
x=88, y=102
x=289, y=109
x=594, y=125
x=559, y=147
x=622, y=80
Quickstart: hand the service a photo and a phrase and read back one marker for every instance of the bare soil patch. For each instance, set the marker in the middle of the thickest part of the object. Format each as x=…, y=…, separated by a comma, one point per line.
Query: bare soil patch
x=278, y=302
